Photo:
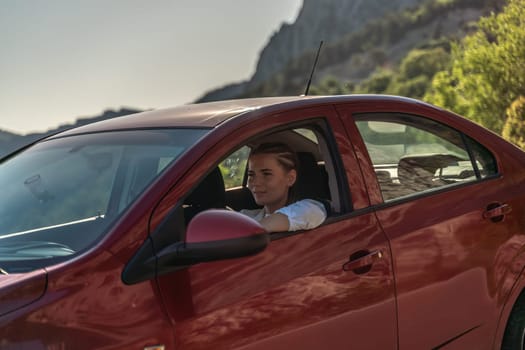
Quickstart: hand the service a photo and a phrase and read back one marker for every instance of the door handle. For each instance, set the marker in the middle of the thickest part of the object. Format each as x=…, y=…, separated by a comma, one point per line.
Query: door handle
x=496, y=212
x=361, y=261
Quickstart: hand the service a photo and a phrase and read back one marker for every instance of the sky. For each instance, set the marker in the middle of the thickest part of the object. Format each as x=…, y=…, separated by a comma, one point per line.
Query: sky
x=61, y=60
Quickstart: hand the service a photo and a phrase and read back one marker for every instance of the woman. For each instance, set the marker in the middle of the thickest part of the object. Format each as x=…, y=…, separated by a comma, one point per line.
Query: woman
x=272, y=173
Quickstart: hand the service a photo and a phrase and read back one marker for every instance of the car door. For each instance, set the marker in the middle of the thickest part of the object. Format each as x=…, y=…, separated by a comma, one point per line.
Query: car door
x=450, y=225
x=330, y=287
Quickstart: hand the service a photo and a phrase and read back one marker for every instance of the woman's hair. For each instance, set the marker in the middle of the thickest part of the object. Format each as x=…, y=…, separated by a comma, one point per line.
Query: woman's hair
x=286, y=157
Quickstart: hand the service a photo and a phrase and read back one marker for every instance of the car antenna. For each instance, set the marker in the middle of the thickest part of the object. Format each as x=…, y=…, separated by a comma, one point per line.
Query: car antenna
x=313, y=69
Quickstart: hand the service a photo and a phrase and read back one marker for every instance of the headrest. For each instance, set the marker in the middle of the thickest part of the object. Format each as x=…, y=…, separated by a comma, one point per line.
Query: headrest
x=310, y=181
x=210, y=193
x=383, y=176
x=422, y=168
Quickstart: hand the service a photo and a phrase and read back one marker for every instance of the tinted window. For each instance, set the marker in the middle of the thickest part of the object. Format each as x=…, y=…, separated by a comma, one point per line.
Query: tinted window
x=411, y=155
x=485, y=161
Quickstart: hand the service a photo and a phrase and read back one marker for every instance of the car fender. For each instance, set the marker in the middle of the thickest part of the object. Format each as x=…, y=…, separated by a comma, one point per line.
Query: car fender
x=511, y=288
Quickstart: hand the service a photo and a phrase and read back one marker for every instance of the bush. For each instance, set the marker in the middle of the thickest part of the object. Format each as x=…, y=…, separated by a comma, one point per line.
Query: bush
x=487, y=72
x=514, y=128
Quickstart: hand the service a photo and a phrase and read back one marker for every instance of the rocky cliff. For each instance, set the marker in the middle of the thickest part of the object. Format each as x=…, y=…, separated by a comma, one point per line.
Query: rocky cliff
x=327, y=20
x=359, y=36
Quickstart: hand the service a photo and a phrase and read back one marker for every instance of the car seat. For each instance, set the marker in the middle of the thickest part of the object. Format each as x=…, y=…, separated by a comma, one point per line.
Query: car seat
x=208, y=194
x=418, y=173
x=312, y=180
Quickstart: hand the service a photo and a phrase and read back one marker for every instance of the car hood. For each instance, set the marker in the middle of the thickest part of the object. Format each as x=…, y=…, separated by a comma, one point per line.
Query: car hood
x=20, y=289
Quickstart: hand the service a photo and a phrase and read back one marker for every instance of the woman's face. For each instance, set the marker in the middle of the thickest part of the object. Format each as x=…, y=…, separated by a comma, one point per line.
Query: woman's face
x=269, y=182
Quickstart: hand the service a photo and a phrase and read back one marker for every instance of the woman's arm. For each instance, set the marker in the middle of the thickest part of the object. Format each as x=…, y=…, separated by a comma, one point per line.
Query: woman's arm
x=275, y=222
x=304, y=214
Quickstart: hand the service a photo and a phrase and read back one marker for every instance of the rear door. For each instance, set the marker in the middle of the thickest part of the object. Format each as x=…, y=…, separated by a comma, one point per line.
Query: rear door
x=436, y=190
x=331, y=287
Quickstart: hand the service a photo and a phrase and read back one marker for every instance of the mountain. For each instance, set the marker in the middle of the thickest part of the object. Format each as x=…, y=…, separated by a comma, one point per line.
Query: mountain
x=10, y=142
x=359, y=37
x=328, y=20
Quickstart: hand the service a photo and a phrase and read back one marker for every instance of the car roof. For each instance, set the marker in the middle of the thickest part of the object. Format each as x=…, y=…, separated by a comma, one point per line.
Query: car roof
x=211, y=114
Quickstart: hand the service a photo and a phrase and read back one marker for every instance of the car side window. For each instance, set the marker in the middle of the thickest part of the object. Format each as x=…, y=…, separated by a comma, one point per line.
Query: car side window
x=413, y=155
x=233, y=167
x=225, y=186
x=313, y=180
x=484, y=160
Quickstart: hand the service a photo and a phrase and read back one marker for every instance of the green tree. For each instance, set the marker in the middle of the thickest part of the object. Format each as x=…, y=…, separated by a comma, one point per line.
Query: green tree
x=415, y=87
x=416, y=71
x=514, y=128
x=424, y=63
x=331, y=86
x=412, y=78
x=487, y=71
x=377, y=83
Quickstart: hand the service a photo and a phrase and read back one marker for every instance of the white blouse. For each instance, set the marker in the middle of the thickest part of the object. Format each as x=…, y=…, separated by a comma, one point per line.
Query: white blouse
x=302, y=215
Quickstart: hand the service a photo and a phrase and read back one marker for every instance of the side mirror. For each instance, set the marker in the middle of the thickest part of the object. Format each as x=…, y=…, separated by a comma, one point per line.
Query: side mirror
x=211, y=235
x=215, y=235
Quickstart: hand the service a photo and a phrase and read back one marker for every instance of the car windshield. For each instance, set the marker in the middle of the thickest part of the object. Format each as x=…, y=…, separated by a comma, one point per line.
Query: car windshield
x=59, y=196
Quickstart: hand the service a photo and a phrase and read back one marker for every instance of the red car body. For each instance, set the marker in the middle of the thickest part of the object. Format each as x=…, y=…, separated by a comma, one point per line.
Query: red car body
x=434, y=269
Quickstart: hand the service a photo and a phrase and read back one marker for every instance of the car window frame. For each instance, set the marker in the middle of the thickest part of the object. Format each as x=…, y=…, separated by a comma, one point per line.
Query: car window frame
x=325, y=136
x=165, y=226
x=170, y=228
x=321, y=127
x=316, y=128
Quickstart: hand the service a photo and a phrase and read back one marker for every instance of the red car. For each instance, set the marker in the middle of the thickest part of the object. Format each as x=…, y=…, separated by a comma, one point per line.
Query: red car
x=125, y=234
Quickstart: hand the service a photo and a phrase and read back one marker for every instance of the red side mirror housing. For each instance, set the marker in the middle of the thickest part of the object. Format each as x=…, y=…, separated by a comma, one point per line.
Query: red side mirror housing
x=215, y=235
x=219, y=225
